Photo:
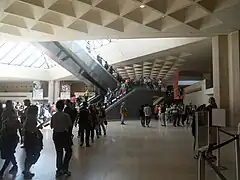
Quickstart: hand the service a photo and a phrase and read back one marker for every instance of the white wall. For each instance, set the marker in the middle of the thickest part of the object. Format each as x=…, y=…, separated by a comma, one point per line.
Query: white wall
x=200, y=97
x=58, y=72
x=126, y=49
x=196, y=98
x=15, y=96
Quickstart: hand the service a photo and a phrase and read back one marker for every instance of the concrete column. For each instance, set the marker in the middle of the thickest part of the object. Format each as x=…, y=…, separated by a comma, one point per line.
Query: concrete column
x=51, y=91
x=208, y=78
x=56, y=90
x=234, y=77
x=220, y=72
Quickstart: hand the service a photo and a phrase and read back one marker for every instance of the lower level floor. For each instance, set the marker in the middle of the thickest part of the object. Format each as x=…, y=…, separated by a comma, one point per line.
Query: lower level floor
x=128, y=152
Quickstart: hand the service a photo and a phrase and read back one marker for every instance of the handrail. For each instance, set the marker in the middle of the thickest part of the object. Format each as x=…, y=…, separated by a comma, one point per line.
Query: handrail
x=93, y=57
x=76, y=43
x=228, y=133
x=205, y=151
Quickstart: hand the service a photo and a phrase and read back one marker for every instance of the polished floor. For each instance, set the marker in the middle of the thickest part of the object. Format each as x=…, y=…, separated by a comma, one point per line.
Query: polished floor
x=128, y=152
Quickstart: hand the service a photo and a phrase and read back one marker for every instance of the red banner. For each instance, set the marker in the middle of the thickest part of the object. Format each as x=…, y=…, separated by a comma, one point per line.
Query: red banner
x=175, y=85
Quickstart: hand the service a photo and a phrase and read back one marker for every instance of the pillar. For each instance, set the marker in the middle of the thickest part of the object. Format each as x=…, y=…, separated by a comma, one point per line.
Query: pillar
x=51, y=91
x=56, y=90
x=234, y=77
x=220, y=72
x=208, y=78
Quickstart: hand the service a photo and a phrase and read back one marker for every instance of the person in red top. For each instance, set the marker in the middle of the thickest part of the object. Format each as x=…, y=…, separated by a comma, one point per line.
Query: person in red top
x=156, y=111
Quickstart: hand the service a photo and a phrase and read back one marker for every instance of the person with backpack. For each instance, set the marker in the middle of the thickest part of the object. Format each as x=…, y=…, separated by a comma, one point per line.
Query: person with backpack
x=33, y=142
x=9, y=138
x=102, y=119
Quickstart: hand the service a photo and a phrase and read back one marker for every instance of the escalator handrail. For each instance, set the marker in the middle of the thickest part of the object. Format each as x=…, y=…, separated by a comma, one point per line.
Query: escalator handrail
x=73, y=56
x=91, y=55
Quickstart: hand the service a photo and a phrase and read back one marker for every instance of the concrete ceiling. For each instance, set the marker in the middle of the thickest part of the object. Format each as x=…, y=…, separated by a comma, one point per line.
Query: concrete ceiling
x=94, y=19
x=193, y=59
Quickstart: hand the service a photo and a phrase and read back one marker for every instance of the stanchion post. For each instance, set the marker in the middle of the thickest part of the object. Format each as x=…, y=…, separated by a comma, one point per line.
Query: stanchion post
x=237, y=154
x=218, y=150
x=201, y=166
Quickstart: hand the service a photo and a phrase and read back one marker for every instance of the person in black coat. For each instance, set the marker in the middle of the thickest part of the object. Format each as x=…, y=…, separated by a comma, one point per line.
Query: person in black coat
x=84, y=124
x=33, y=142
x=72, y=112
x=9, y=138
x=142, y=115
x=94, y=121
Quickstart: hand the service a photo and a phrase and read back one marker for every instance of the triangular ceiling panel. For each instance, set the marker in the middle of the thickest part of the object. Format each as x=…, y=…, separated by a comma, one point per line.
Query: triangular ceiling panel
x=93, y=16
x=110, y=5
x=65, y=7
x=117, y=25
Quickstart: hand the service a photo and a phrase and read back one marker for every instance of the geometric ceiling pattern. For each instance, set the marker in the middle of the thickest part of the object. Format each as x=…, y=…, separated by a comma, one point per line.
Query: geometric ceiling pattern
x=88, y=19
x=163, y=68
x=24, y=54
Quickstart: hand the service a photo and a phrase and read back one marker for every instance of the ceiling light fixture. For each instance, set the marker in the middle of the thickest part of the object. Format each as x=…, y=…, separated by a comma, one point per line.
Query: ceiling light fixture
x=142, y=6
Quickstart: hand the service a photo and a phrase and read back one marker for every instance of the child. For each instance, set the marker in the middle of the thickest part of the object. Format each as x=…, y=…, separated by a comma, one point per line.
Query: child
x=33, y=141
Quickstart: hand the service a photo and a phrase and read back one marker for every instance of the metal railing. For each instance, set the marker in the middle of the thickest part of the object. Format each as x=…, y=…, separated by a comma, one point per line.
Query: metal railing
x=205, y=156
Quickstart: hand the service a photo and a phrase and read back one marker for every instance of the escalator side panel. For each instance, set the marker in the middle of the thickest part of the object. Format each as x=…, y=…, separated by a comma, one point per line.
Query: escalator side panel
x=68, y=61
x=95, y=69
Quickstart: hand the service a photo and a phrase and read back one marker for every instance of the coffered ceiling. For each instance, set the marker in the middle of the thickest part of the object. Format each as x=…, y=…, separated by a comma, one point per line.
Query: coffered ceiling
x=92, y=19
x=190, y=59
x=162, y=68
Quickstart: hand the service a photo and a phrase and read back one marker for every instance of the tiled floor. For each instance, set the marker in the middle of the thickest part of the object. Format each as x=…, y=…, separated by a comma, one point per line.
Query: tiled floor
x=128, y=152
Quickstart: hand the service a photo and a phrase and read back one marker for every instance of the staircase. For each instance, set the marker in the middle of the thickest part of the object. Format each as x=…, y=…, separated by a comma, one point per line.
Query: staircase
x=133, y=101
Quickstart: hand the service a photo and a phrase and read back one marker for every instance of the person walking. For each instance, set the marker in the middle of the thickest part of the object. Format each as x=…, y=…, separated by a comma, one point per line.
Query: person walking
x=142, y=115
x=9, y=138
x=175, y=115
x=86, y=94
x=163, y=115
x=23, y=118
x=123, y=112
x=84, y=124
x=93, y=118
x=61, y=124
x=102, y=119
x=148, y=113
x=72, y=112
x=33, y=142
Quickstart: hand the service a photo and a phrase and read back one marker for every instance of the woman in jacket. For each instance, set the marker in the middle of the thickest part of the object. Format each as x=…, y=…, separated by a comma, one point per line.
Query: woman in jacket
x=33, y=140
x=9, y=138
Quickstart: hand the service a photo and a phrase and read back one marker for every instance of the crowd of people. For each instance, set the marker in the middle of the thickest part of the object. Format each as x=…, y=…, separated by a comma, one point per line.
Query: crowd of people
x=148, y=82
x=125, y=86
x=109, y=68
x=178, y=114
x=23, y=127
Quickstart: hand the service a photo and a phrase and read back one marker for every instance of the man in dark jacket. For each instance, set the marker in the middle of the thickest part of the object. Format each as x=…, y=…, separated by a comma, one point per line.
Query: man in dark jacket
x=84, y=124
x=71, y=111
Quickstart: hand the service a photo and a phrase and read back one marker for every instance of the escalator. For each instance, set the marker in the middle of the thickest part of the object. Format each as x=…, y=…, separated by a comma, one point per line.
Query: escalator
x=73, y=57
